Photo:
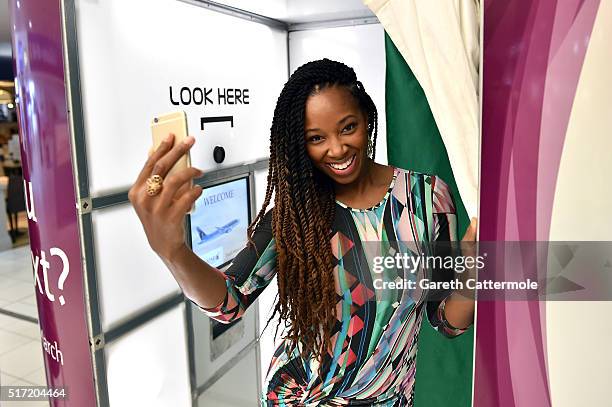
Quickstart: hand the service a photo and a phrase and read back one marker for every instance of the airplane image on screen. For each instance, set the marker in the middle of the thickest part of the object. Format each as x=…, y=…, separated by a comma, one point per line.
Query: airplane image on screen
x=207, y=237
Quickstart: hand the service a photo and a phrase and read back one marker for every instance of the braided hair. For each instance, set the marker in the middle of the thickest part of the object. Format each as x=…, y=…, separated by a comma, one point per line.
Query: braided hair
x=304, y=207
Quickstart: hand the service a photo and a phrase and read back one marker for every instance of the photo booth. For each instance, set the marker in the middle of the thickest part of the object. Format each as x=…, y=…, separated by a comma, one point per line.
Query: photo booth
x=224, y=64
x=91, y=75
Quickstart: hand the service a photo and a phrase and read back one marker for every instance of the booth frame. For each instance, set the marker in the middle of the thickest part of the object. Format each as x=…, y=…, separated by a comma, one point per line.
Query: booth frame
x=87, y=204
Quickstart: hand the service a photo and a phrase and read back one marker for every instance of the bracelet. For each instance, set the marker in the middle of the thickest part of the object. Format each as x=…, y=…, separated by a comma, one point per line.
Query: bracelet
x=448, y=328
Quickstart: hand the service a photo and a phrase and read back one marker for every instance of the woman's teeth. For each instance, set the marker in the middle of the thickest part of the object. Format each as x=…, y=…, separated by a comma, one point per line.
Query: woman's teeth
x=344, y=165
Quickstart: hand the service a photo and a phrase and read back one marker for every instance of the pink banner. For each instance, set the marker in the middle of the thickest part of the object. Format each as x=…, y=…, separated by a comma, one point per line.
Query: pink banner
x=51, y=199
x=533, y=54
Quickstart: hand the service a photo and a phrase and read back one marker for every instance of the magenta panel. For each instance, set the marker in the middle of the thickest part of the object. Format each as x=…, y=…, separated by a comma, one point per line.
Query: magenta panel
x=533, y=54
x=50, y=193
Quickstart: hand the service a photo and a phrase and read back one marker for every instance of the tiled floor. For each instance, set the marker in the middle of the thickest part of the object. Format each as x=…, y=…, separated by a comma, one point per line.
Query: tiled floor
x=21, y=360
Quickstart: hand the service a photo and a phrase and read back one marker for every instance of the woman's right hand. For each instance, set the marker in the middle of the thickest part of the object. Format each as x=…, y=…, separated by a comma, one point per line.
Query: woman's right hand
x=163, y=215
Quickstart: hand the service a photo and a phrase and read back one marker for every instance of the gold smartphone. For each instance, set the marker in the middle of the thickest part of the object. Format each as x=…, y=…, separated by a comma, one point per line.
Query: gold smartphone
x=175, y=123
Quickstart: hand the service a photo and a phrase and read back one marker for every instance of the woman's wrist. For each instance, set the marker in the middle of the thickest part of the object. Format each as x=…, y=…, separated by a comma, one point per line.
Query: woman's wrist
x=459, y=311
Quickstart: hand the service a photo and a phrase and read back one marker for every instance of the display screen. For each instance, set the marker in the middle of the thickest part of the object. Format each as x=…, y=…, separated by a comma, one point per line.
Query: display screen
x=219, y=222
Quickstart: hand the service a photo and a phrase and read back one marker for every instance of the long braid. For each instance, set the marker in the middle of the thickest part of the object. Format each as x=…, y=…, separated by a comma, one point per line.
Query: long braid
x=304, y=208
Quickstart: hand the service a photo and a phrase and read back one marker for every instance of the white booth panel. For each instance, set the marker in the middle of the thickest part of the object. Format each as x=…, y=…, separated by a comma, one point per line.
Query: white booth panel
x=148, y=366
x=361, y=47
x=142, y=58
x=276, y=9
x=130, y=275
x=300, y=11
x=210, y=358
x=303, y=11
x=237, y=388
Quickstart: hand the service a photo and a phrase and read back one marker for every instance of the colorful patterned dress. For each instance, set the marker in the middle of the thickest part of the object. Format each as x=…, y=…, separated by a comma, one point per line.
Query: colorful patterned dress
x=375, y=339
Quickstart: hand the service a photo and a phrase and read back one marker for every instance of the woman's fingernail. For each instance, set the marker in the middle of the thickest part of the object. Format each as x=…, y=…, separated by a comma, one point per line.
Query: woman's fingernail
x=169, y=138
x=188, y=141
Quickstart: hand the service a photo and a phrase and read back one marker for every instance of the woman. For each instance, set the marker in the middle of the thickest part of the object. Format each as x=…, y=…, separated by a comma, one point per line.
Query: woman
x=347, y=342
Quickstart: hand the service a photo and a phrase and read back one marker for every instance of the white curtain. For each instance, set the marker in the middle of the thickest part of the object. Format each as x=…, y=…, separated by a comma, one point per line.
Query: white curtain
x=439, y=39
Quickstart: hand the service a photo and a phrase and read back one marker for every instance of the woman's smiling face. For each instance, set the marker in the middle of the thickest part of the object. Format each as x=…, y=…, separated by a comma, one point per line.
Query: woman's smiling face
x=336, y=134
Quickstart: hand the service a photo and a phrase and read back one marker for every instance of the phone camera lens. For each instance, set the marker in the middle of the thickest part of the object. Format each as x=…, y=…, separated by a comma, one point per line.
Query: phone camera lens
x=155, y=120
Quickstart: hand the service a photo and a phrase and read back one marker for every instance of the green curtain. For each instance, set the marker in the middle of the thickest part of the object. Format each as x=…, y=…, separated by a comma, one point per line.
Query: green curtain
x=444, y=365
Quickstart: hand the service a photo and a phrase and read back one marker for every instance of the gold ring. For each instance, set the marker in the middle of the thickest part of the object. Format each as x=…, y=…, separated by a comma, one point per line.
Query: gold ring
x=154, y=185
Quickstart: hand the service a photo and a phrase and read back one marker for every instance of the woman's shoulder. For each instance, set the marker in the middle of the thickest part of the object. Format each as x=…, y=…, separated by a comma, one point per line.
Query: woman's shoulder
x=414, y=177
x=428, y=178
x=420, y=184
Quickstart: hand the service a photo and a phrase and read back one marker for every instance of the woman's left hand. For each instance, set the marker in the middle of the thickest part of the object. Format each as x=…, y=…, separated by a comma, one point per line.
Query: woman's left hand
x=470, y=233
x=468, y=248
x=459, y=309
